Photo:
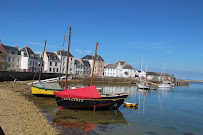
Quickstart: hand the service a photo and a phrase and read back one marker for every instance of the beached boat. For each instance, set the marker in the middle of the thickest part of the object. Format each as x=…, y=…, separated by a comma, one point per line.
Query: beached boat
x=46, y=89
x=88, y=98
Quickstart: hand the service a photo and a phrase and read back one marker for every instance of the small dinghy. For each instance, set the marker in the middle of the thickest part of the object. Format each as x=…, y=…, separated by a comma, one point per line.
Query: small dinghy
x=130, y=104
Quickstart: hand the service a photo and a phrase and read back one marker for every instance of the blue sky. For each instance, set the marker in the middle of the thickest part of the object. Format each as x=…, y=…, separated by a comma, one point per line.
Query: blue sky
x=161, y=31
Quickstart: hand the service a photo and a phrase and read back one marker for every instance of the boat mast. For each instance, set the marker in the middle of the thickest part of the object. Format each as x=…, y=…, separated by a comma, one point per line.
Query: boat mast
x=146, y=74
x=40, y=72
x=68, y=56
x=94, y=64
x=61, y=57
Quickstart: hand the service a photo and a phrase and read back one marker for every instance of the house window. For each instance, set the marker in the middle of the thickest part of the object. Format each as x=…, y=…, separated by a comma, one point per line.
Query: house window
x=4, y=57
x=33, y=63
x=49, y=69
x=54, y=70
x=50, y=63
x=9, y=58
x=57, y=70
x=55, y=63
x=13, y=59
x=18, y=59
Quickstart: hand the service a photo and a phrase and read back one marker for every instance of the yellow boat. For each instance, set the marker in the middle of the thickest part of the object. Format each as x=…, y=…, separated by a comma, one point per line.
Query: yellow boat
x=46, y=89
x=128, y=105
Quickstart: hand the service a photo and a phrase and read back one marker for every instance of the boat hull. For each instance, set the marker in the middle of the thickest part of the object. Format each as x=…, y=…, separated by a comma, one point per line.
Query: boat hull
x=41, y=91
x=164, y=86
x=104, y=103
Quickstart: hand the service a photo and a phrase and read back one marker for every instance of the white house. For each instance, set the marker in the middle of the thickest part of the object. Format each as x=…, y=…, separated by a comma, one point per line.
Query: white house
x=62, y=55
x=110, y=70
x=51, y=62
x=79, y=67
x=120, y=69
x=30, y=62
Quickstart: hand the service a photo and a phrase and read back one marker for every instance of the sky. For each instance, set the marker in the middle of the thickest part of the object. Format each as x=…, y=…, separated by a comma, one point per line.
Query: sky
x=162, y=32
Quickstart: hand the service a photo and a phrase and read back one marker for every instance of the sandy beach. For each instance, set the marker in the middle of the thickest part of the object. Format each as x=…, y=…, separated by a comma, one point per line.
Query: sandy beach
x=18, y=115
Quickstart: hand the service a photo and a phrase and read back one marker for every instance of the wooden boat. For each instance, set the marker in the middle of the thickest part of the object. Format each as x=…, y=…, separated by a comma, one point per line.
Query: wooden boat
x=46, y=89
x=88, y=98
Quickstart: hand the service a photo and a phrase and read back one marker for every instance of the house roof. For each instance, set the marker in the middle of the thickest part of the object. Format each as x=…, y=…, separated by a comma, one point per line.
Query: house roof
x=111, y=66
x=64, y=53
x=91, y=57
x=121, y=62
x=77, y=62
x=30, y=53
x=86, y=63
x=127, y=66
x=11, y=50
x=52, y=56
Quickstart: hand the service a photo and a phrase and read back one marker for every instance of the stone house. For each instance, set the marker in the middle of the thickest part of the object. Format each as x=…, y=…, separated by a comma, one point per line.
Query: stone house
x=99, y=64
x=14, y=58
x=3, y=58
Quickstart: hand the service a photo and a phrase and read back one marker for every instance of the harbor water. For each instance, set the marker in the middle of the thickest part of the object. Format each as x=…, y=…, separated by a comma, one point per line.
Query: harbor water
x=176, y=111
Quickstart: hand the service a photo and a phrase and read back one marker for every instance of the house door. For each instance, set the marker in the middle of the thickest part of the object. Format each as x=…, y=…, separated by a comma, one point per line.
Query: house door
x=3, y=66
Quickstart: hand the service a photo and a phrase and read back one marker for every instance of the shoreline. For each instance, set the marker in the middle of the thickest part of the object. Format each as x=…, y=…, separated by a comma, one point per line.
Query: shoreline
x=18, y=115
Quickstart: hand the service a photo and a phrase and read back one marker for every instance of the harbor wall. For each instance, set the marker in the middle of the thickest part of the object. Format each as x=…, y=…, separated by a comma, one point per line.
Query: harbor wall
x=22, y=76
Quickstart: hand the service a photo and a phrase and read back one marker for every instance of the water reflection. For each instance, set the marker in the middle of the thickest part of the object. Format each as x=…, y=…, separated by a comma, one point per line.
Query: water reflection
x=85, y=120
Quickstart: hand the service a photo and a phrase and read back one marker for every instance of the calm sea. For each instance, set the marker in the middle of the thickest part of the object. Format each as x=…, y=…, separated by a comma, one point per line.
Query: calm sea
x=177, y=111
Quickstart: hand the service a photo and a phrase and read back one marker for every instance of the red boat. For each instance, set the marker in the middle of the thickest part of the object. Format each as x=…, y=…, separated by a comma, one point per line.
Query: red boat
x=88, y=98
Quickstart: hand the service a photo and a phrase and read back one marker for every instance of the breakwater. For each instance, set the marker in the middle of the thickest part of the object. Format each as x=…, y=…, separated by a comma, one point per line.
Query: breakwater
x=22, y=76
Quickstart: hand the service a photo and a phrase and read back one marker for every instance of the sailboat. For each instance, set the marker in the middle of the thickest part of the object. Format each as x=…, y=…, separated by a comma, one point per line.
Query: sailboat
x=143, y=84
x=88, y=97
x=165, y=84
x=44, y=89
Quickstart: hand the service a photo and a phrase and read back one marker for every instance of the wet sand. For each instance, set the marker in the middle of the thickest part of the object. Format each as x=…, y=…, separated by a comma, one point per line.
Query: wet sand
x=19, y=114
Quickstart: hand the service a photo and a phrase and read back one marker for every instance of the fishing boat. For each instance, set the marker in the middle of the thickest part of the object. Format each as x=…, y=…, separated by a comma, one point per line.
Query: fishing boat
x=87, y=97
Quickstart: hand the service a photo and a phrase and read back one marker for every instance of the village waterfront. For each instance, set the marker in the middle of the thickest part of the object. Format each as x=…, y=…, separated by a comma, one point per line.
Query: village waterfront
x=161, y=111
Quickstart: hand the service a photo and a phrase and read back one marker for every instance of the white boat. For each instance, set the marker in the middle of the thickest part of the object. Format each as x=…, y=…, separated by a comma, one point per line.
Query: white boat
x=165, y=84
x=143, y=84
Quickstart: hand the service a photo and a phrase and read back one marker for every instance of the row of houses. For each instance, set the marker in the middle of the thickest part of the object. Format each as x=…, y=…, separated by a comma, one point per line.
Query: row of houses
x=54, y=62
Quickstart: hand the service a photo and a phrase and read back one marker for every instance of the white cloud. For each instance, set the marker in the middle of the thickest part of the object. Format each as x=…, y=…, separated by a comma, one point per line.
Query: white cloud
x=83, y=51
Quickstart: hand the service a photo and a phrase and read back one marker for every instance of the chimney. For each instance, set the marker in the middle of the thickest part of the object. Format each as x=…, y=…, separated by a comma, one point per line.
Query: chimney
x=17, y=47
